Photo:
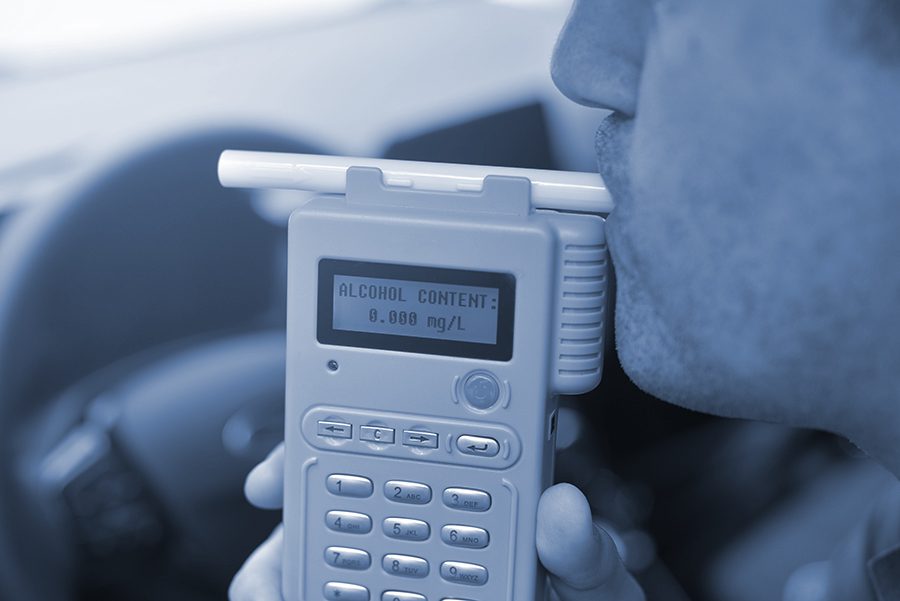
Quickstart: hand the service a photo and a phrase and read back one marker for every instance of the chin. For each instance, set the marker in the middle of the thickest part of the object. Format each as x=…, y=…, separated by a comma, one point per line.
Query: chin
x=671, y=367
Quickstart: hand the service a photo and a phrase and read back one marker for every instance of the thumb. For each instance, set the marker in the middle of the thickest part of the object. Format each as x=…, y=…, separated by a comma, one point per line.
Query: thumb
x=582, y=559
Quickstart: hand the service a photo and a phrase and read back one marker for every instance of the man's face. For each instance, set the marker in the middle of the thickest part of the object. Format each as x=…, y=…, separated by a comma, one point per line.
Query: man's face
x=754, y=156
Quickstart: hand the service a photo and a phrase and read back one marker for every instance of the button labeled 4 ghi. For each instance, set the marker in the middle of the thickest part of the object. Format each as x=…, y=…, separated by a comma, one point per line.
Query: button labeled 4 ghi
x=420, y=438
x=480, y=446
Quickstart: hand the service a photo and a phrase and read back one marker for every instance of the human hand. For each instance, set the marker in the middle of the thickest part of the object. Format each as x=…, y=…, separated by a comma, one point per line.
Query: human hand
x=582, y=559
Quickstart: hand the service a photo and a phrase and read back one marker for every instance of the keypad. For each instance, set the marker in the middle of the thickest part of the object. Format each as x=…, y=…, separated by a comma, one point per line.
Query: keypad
x=406, y=529
x=465, y=536
x=407, y=566
x=401, y=491
x=353, y=556
x=349, y=521
x=464, y=573
x=345, y=557
x=345, y=485
x=342, y=591
x=467, y=499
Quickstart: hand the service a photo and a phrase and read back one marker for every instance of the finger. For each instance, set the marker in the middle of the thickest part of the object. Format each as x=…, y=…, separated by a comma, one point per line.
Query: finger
x=568, y=428
x=259, y=579
x=583, y=561
x=265, y=483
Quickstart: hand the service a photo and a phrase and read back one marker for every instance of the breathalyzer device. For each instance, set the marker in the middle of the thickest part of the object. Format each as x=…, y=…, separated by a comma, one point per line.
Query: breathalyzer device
x=435, y=314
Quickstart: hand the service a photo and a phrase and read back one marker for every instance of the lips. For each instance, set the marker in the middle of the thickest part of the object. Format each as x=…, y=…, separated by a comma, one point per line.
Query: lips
x=612, y=144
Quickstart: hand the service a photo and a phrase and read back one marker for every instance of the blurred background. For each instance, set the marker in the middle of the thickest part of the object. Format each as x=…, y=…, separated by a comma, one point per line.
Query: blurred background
x=142, y=305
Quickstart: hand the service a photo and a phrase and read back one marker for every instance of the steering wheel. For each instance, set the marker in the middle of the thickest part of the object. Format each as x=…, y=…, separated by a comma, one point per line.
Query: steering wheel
x=141, y=376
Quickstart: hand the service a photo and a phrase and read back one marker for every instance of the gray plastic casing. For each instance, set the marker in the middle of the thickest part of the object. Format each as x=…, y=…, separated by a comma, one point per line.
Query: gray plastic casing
x=559, y=262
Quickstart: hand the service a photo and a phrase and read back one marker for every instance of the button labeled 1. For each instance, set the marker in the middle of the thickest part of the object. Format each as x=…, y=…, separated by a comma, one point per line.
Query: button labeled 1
x=345, y=485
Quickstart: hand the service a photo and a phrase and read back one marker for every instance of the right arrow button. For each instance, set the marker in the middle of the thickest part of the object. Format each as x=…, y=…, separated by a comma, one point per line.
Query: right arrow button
x=480, y=446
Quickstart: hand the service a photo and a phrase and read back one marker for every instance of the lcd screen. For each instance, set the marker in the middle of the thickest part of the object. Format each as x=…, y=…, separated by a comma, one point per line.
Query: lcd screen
x=416, y=309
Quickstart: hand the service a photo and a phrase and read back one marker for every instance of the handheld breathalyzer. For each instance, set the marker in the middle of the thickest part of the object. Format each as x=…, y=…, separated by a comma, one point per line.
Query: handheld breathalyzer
x=435, y=313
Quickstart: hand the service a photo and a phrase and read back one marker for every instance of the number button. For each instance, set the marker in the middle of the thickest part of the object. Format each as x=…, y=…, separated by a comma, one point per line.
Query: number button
x=348, y=521
x=465, y=536
x=464, y=573
x=467, y=499
x=407, y=492
x=405, y=565
x=341, y=591
x=401, y=596
x=345, y=485
x=406, y=529
x=345, y=557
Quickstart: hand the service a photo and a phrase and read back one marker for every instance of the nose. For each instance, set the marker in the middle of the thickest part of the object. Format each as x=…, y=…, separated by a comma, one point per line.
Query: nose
x=600, y=52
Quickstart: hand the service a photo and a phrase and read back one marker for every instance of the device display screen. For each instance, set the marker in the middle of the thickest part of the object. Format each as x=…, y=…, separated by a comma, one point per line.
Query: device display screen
x=416, y=309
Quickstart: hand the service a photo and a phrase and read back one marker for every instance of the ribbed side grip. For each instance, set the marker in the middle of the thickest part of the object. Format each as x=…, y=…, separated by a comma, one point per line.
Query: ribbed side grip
x=582, y=316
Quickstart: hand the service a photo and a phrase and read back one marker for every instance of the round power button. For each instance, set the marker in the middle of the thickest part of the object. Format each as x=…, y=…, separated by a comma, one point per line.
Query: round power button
x=481, y=389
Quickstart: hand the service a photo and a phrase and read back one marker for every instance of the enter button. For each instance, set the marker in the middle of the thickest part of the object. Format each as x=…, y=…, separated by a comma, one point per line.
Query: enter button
x=480, y=446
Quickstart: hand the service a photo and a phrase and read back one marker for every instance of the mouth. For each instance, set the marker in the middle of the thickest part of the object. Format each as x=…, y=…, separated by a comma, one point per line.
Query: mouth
x=612, y=144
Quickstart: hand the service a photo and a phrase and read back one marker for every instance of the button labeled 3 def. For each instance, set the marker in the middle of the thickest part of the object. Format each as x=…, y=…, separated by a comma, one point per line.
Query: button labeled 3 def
x=467, y=499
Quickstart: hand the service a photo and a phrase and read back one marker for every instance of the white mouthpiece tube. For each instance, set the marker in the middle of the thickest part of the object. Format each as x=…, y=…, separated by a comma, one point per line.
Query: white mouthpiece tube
x=557, y=190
